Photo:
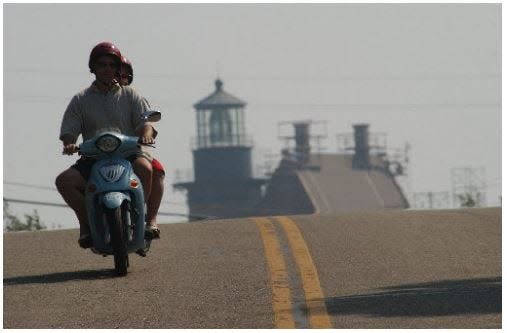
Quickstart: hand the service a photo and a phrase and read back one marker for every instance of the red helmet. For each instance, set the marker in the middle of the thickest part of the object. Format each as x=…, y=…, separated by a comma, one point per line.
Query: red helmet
x=127, y=64
x=101, y=49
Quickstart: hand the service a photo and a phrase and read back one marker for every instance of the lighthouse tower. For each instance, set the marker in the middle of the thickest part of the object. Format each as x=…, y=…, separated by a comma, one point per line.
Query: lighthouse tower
x=223, y=185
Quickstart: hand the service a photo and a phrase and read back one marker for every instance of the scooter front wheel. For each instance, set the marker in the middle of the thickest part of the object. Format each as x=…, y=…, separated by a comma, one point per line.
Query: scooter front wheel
x=117, y=229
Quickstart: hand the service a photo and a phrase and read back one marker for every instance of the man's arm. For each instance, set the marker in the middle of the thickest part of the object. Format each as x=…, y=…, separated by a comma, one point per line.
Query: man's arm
x=70, y=128
x=144, y=129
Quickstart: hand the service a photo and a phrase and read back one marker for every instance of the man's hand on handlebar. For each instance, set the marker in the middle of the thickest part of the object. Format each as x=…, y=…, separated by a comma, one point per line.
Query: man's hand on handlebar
x=70, y=148
x=146, y=135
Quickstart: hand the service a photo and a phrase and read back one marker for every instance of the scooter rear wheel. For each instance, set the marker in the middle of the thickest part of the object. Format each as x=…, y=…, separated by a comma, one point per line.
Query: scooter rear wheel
x=117, y=229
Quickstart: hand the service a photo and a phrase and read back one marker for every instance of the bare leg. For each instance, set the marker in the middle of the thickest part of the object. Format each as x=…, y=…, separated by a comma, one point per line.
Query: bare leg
x=71, y=186
x=157, y=191
x=143, y=169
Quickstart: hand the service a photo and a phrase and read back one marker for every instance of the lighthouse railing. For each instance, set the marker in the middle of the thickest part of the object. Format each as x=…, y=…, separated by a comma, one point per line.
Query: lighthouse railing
x=229, y=141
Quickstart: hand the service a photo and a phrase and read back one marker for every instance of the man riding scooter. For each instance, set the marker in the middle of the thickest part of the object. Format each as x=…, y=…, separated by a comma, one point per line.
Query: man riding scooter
x=103, y=105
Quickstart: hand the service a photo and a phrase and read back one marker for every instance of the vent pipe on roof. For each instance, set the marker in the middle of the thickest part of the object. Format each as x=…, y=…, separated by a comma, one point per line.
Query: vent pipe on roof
x=361, y=158
x=302, y=136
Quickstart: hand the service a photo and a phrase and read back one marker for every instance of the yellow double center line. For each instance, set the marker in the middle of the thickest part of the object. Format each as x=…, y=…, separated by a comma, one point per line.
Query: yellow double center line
x=282, y=302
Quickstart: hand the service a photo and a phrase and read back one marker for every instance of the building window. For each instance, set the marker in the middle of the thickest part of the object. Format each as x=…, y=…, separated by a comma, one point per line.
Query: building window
x=220, y=127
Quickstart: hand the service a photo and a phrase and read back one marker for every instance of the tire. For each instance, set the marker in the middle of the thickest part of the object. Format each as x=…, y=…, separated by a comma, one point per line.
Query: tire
x=118, y=239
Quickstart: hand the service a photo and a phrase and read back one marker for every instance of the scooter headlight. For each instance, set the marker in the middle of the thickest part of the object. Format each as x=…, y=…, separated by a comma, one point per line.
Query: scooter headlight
x=108, y=143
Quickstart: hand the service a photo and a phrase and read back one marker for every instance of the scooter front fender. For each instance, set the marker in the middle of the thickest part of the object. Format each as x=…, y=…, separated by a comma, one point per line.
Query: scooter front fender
x=113, y=200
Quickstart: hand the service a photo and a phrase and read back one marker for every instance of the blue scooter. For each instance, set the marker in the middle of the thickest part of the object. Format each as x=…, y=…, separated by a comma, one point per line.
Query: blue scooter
x=114, y=197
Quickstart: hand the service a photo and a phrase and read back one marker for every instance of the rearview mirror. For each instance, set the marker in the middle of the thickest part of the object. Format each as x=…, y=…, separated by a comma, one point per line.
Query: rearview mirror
x=152, y=116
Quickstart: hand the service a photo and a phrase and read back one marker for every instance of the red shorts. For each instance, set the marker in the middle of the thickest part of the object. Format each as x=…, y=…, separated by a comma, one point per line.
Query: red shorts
x=156, y=165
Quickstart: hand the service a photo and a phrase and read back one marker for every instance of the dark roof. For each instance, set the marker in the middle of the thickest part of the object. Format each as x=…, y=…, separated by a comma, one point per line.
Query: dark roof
x=219, y=99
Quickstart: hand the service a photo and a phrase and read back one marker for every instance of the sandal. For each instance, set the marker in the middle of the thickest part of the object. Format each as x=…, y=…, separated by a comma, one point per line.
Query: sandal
x=151, y=232
x=85, y=241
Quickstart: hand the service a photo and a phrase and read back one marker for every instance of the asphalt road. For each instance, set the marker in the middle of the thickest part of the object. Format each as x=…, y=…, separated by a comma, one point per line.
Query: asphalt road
x=404, y=269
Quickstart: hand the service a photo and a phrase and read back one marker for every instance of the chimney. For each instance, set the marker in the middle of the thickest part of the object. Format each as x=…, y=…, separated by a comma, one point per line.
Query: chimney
x=361, y=158
x=302, y=136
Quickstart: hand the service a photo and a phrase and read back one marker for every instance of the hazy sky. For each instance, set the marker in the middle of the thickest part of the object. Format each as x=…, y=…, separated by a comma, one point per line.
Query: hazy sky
x=427, y=74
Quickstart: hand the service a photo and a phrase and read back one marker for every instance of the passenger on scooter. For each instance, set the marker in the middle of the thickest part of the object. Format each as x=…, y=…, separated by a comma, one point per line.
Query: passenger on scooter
x=157, y=179
x=105, y=104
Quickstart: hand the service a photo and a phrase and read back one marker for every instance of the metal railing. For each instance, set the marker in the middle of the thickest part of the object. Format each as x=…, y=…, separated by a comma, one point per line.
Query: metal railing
x=377, y=143
x=208, y=141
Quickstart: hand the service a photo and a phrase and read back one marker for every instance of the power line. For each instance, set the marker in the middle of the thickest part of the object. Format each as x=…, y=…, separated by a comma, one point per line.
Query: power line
x=344, y=77
x=41, y=203
x=375, y=105
x=332, y=106
x=35, y=202
x=54, y=189
x=31, y=186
